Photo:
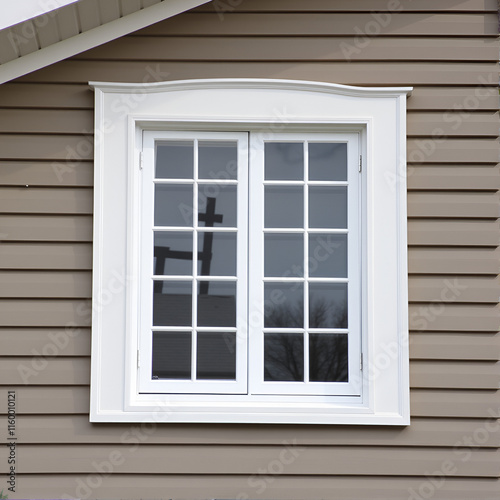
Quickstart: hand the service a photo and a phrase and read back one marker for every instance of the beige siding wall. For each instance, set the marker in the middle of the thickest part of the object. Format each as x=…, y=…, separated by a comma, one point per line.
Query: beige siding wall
x=447, y=50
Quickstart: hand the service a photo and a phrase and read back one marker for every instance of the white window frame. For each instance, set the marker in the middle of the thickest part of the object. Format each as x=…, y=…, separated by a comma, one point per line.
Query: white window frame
x=123, y=112
x=249, y=346
x=145, y=383
x=257, y=385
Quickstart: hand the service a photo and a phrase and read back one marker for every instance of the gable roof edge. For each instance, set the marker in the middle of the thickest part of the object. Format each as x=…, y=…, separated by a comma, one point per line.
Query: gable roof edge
x=94, y=37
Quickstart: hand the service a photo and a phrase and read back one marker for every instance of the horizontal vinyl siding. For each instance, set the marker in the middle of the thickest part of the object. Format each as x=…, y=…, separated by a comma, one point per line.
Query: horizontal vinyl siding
x=327, y=23
x=312, y=460
x=448, y=51
x=318, y=48
x=432, y=432
x=280, y=487
x=354, y=73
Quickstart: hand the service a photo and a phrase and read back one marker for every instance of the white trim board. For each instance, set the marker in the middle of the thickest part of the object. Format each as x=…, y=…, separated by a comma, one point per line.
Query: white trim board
x=94, y=37
x=378, y=114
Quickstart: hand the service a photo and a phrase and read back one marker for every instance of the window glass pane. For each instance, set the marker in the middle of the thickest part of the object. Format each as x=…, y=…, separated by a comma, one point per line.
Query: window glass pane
x=172, y=355
x=216, y=356
x=173, y=253
x=328, y=305
x=284, y=305
x=217, y=159
x=328, y=255
x=174, y=160
x=327, y=161
x=216, y=254
x=217, y=303
x=328, y=207
x=284, y=161
x=284, y=206
x=284, y=357
x=328, y=358
x=173, y=205
x=172, y=303
x=283, y=255
x=216, y=205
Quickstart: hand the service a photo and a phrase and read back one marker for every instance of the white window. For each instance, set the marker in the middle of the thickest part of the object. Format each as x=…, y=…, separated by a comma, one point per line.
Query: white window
x=260, y=230
x=250, y=291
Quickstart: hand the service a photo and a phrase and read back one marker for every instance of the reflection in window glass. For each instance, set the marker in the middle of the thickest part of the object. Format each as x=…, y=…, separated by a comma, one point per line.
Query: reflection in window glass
x=216, y=303
x=172, y=355
x=328, y=305
x=172, y=303
x=173, y=253
x=284, y=357
x=217, y=253
x=328, y=358
x=284, y=305
x=216, y=356
x=216, y=205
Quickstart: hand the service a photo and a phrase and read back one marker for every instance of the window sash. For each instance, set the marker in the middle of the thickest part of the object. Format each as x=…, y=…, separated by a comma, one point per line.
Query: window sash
x=146, y=327
x=257, y=384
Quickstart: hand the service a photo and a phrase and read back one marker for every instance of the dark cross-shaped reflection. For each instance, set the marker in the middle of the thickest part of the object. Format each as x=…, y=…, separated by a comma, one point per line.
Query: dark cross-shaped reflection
x=205, y=255
x=209, y=218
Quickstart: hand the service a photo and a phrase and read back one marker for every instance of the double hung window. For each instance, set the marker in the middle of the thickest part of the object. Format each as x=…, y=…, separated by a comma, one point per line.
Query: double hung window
x=250, y=253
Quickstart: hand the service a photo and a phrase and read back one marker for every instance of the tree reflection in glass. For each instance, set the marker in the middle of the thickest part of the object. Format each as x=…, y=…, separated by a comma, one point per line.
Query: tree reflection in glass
x=328, y=352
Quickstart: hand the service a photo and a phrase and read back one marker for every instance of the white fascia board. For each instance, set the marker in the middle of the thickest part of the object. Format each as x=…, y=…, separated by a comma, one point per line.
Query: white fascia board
x=95, y=37
x=17, y=12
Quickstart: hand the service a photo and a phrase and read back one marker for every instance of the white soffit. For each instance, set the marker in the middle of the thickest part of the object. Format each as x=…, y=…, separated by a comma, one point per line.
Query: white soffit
x=79, y=26
x=17, y=12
